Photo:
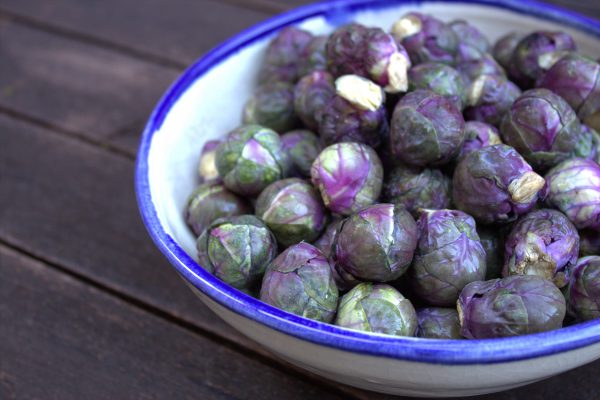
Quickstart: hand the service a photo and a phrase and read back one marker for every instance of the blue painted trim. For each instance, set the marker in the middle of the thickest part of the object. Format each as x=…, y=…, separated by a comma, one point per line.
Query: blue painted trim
x=414, y=349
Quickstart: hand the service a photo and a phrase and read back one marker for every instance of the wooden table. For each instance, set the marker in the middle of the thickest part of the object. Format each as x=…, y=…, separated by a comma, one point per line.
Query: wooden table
x=89, y=309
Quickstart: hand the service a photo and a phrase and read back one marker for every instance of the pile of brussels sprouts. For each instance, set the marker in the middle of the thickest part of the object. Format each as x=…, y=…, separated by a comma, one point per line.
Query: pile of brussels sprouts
x=420, y=182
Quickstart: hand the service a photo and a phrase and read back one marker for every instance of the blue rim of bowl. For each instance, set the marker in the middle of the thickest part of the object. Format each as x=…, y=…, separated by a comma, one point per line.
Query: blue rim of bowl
x=449, y=352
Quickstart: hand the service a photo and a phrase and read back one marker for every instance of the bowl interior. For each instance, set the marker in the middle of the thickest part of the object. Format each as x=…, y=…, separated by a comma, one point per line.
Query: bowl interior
x=207, y=103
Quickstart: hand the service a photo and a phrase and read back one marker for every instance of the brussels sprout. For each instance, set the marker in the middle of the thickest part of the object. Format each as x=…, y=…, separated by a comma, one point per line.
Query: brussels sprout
x=325, y=241
x=583, y=292
x=250, y=158
x=595, y=153
x=589, y=243
x=314, y=56
x=441, y=79
x=299, y=281
x=237, y=250
x=544, y=129
x=302, y=147
x=425, y=38
x=512, y=306
x=449, y=256
x=281, y=62
x=272, y=105
x=483, y=65
x=377, y=308
x=574, y=188
x=478, y=135
x=492, y=241
x=489, y=97
x=377, y=243
x=354, y=49
x=543, y=243
x=426, y=129
x=537, y=51
x=438, y=323
x=311, y=94
x=415, y=188
x=293, y=210
x=207, y=167
x=576, y=79
x=209, y=202
x=470, y=36
x=495, y=184
x=349, y=177
x=504, y=49
x=355, y=114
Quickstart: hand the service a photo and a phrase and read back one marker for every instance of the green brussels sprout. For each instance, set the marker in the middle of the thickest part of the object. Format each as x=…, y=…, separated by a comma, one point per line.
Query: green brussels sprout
x=293, y=210
x=299, y=281
x=283, y=56
x=441, y=79
x=377, y=308
x=302, y=147
x=272, y=105
x=237, y=250
x=583, y=292
x=250, y=158
x=209, y=202
x=438, y=323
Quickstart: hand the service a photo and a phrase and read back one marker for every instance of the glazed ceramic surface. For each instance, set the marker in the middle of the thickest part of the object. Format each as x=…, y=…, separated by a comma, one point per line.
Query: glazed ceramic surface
x=206, y=103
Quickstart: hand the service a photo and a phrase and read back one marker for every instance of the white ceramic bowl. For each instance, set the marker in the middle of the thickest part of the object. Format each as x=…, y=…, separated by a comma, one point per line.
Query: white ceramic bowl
x=206, y=102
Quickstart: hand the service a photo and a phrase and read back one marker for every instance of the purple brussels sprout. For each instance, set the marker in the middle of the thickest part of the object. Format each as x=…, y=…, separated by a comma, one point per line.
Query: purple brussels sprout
x=574, y=188
x=426, y=129
x=495, y=184
x=311, y=94
x=299, y=281
x=237, y=250
x=512, y=306
x=355, y=114
x=281, y=62
x=492, y=241
x=543, y=243
x=504, y=48
x=470, y=36
x=207, y=167
x=438, y=323
x=293, y=210
x=483, y=65
x=426, y=38
x=448, y=257
x=314, y=56
x=209, y=202
x=441, y=79
x=349, y=177
x=544, y=129
x=272, y=105
x=478, y=135
x=489, y=97
x=538, y=51
x=595, y=153
x=251, y=158
x=576, y=79
x=589, y=243
x=355, y=49
x=377, y=308
x=377, y=243
x=302, y=147
x=583, y=292
x=416, y=188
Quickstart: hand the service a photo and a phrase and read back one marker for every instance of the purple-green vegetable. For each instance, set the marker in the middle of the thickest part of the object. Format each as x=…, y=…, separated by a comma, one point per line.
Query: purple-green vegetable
x=583, y=292
x=272, y=105
x=574, y=188
x=209, y=202
x=377, y=308
x=495, y=184
x=281, y=61
x=237, y=250
x=504, y=49
x=426, y=129
x=470, y=36
x=302, y=147
x=349, y=177
x=251, y=158
x=441, y=79
x=482, y=65
x=489, y=97
x=377, y=243
x=543, y=243
x=293, y=210
x=448, y=257
x=589, y=243
x=438, y=323
x=355, y=114
x=314, y=56
x=311, y=94
x=299, y=281
x=416, y=188
x=207, y=167
x=478, y=135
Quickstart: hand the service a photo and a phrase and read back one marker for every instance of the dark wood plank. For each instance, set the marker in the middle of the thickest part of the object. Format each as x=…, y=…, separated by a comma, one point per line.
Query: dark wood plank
x=60, y=339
